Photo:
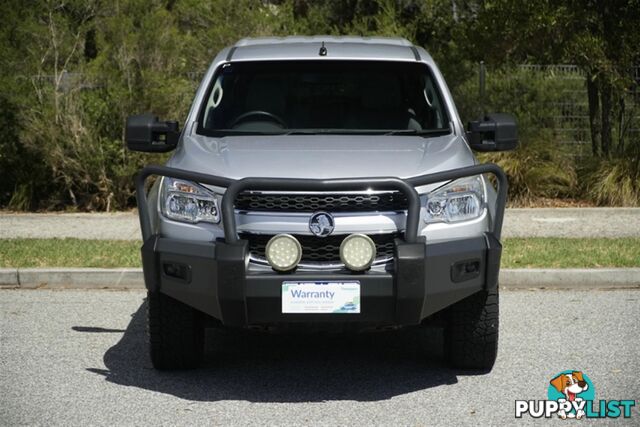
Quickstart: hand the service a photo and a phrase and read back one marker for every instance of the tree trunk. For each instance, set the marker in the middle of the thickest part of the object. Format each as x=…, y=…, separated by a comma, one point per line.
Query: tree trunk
x=594, y=111
x=621, y=127
x=605, y=96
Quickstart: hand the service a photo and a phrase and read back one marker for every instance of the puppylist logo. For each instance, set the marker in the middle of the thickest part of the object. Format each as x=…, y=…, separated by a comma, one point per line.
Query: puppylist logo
x=571, y=394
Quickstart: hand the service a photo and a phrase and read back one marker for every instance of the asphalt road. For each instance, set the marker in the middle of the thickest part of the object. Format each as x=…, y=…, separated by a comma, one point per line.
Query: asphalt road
x=538, y=222
x=79, y=358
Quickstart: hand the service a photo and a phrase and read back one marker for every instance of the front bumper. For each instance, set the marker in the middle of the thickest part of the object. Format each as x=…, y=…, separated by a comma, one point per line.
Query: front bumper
x=216, y=278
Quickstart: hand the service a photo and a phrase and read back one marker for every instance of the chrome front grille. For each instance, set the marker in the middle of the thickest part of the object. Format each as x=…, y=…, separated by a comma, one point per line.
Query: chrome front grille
x=292, y=202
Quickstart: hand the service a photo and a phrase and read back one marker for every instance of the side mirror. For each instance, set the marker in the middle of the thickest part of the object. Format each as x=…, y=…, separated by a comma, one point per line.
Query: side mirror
x=497, y=132
x=145, y=133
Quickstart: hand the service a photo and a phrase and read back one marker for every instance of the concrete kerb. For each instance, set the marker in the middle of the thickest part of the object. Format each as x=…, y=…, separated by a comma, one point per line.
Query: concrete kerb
x=131, y=278
x=9, y=278
x=570, y=278
x=72, y=278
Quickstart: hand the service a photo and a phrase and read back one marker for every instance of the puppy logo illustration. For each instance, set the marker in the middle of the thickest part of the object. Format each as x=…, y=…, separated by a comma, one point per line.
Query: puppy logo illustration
x=573, y=386
x=571, y=394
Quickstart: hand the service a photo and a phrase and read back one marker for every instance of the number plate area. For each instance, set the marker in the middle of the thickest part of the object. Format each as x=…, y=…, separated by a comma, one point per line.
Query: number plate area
x=321, y=297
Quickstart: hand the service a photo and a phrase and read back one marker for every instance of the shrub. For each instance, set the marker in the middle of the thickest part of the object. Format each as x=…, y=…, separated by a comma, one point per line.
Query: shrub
x=614, y=182
x=538, y=168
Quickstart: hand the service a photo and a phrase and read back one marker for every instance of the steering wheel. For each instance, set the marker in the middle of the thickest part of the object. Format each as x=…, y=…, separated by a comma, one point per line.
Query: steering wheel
x=265, y=114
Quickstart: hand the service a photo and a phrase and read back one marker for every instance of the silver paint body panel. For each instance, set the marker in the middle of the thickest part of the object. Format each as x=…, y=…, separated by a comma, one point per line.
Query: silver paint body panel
x=321, y=156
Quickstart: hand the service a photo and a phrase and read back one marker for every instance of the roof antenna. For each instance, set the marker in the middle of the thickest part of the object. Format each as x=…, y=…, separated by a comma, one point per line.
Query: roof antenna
x=323, y=50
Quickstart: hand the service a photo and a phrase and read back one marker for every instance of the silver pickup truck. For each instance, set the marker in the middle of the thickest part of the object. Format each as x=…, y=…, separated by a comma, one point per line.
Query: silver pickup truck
x=322, y=183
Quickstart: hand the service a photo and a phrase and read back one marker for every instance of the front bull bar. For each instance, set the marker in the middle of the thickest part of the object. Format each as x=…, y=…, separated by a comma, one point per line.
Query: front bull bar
x=405, y=186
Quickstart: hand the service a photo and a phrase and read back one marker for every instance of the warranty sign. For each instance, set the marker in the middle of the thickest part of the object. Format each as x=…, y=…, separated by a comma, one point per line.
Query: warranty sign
x=321, y=297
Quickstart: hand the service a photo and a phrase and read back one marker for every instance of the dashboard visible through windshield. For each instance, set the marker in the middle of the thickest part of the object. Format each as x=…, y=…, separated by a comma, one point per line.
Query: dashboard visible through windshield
x=328, y=96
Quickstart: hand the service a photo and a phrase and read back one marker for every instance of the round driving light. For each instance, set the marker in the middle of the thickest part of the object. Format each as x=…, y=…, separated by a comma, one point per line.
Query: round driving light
x=357, y=252
x=283, y=252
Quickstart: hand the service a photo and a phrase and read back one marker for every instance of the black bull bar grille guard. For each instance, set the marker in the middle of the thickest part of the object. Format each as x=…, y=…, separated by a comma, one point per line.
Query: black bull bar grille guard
x=405, y=186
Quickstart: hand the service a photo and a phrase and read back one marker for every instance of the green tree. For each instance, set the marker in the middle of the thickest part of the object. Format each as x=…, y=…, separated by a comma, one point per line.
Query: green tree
x=598, y=35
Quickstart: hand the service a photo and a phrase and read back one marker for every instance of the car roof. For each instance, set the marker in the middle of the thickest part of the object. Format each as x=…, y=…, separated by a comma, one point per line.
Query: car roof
x=345, y=47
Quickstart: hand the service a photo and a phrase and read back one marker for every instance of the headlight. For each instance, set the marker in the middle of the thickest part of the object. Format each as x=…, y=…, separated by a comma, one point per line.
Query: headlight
x=188, y=202
x=460, y=200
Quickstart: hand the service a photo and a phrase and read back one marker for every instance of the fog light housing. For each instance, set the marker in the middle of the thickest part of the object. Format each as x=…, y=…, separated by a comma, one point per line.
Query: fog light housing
x=357, y=252
x=283, y=252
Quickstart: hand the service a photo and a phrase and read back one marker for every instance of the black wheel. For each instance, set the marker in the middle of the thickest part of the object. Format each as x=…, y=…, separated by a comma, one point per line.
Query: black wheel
x=176, y=333
x=471, y=331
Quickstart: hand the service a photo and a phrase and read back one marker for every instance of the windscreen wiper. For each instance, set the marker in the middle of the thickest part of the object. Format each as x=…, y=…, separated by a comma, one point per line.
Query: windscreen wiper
x=332, y=132
x=422, y=132
x=300, y=132
x=365, y=132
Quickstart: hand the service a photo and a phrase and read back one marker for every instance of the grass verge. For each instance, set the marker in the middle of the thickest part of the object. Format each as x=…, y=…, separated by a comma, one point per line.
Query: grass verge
x=38, y=253
x=517, y=253
x=542, y=252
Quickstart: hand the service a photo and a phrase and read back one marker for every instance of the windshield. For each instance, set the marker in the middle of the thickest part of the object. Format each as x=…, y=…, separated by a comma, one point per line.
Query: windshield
x=323, y=97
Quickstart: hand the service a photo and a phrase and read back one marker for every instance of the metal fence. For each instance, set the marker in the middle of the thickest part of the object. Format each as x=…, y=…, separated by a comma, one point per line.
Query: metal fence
x=570, y=108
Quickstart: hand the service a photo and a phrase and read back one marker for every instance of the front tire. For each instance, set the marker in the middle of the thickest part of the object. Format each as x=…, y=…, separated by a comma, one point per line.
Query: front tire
x=176, y=333
x=471, y=331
